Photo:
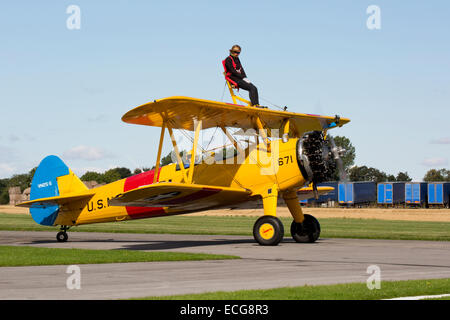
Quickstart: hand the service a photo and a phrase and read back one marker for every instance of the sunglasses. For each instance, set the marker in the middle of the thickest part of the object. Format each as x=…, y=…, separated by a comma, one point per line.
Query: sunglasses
x=237, y=52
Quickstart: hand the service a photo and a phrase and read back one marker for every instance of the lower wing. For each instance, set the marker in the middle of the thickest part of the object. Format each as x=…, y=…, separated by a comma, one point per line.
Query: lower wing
x=180, y=196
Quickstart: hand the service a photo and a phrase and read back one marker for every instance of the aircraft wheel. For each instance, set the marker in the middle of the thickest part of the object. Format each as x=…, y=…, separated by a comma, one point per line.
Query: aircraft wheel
x=308, y=231
x=268, y=231
x=62, y=236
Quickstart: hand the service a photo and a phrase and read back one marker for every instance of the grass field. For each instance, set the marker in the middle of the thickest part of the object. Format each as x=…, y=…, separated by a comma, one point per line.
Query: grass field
x=13, y=256
x=241, y=225
x=351, y=291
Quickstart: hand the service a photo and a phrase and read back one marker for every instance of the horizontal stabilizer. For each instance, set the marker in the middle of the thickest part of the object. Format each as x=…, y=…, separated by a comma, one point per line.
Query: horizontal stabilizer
x=51, y=201
x=179, y=195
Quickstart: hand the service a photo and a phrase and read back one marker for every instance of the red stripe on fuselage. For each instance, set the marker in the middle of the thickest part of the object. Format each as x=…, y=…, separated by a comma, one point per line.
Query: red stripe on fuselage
x=142, y=179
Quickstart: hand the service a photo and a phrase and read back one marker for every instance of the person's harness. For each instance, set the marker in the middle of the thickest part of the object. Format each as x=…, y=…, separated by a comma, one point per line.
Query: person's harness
x=227, y=74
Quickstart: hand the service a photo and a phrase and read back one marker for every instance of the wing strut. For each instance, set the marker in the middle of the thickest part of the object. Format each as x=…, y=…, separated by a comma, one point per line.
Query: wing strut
x=158, y=157
x=262, y=132
x=198, y=127
x=177, y=153
x=232, y=140
x=187, y=176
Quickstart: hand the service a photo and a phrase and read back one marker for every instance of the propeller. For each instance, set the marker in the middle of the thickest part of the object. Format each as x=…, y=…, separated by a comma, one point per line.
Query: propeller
x=338, y=153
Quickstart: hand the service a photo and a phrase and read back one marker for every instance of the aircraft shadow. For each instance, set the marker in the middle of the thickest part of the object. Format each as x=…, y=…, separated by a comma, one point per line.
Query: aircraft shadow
x=156, y=245
x=177, y=244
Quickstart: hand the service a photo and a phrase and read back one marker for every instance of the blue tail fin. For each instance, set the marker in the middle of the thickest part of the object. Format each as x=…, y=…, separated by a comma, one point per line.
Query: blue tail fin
x=45, y=184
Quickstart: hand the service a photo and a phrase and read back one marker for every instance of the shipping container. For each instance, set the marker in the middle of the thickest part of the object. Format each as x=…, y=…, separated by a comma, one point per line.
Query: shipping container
x=391, y=193
x=416, y=193
x=439, y=193
x=357, y=192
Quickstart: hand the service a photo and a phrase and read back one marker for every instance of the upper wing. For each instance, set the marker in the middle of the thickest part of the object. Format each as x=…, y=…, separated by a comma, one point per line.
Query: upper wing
x=307, y=192
x=179, y=113
x=180, y=196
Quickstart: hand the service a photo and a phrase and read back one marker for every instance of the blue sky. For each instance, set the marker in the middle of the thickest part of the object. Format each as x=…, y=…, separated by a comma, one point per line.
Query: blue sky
x=64, y=91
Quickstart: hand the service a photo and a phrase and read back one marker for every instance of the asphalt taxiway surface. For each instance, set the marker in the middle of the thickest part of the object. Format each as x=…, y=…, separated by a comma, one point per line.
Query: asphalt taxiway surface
x=328, y=261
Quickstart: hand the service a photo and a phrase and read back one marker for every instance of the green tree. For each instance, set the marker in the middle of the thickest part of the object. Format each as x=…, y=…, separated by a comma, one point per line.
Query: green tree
x=108, y=176
x=166, y=160
x=403, y=176
x=4, y=194
x=390, y=177
x=32, y=172
x=365, y=173
x=92, y=176
x=437, y=175
x=123, y=172
x=111, y=175
x=20, y=180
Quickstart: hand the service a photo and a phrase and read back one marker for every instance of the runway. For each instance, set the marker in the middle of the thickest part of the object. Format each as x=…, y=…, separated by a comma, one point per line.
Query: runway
x=327, y=261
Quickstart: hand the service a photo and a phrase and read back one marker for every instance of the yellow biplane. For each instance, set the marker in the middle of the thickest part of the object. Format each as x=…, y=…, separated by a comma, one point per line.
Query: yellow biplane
x=287, y=159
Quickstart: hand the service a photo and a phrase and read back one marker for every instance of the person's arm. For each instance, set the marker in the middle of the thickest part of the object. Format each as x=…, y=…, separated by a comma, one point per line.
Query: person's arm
x=243, y=72
x=230, y=68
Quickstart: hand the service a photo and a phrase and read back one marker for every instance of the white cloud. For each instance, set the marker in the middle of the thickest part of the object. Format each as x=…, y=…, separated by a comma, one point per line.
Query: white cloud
x=14, y=138
x=86, y=153
x=6, y=170
x=81, y=171
x=435, y=162
x=7, y=154
x=444, y=140
x=98, y=118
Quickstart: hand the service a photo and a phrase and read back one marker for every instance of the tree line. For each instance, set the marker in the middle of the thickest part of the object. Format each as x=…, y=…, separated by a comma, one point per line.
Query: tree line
x=364, y=173
x=353, y=172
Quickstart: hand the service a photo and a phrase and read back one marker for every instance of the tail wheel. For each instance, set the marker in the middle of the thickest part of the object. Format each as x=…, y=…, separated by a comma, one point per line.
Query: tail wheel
x=268, y=231
x=62, y=236
x=307, y=231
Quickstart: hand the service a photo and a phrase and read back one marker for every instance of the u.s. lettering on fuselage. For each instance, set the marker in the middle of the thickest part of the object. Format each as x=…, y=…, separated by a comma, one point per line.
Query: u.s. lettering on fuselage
x=99, y=204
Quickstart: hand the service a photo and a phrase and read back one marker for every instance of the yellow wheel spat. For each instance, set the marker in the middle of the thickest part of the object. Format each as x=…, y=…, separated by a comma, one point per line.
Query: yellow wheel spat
x=266, y=231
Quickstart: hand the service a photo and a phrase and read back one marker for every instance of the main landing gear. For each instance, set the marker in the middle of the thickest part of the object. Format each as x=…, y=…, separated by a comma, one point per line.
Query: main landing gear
x=62, y=235
x=269, y=230
x=308, y=231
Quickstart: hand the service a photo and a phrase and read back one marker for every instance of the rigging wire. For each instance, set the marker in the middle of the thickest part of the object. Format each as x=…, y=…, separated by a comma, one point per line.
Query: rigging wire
x=183, y=131
x=277, y=106
x=223, y=91
x=271, y=103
